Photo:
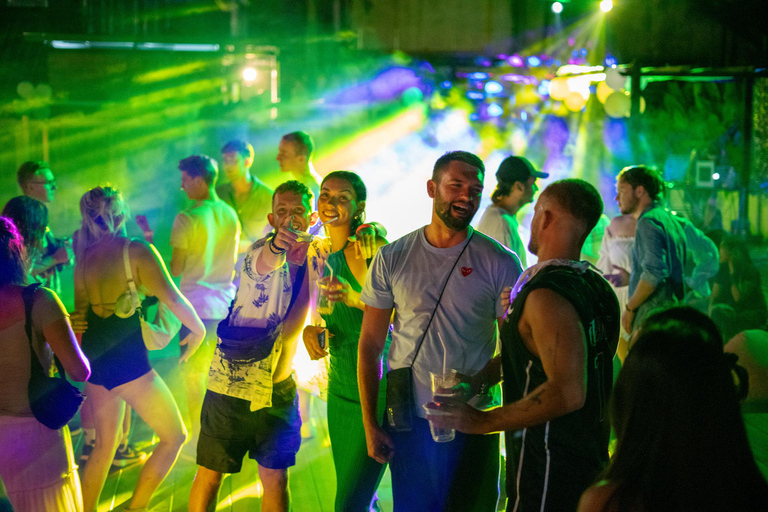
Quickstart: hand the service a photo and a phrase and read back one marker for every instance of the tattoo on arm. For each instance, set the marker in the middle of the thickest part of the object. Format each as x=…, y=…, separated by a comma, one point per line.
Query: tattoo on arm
x=535, y=397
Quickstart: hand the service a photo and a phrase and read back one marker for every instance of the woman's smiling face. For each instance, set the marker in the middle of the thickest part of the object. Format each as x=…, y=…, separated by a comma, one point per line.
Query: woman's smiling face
x=338, y=200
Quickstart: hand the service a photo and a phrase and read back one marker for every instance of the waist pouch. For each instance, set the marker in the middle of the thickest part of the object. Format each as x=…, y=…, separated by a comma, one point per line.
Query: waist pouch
x=241, y=343
x=246, y=343
x=399, y=401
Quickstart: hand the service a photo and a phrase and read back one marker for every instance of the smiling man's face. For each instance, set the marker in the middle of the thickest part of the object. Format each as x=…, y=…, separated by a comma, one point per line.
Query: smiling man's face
x=457, y=194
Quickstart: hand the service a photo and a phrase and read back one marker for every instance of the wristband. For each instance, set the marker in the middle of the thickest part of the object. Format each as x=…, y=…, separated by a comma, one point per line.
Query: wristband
x=364, y=226
x=274, y=248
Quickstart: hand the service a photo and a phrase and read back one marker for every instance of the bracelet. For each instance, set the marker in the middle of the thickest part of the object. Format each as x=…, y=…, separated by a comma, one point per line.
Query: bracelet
x=364, y=226
x=630, y=309
x=273, y=248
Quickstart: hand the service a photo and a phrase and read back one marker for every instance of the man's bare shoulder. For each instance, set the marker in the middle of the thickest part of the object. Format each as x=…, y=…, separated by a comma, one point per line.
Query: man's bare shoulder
x=548, y=302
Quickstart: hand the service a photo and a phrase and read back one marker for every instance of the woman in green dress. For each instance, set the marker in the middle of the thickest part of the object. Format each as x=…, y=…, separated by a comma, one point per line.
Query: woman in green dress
x=342, y=196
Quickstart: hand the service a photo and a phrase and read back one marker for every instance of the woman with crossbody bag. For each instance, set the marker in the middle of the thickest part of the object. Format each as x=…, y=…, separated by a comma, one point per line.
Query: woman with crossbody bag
x=36, y=462
x=107, y=261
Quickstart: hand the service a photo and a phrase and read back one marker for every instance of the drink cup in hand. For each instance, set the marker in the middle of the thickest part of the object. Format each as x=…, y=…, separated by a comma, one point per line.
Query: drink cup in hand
x=297, y=252
x=443, y=385
x=324, y=304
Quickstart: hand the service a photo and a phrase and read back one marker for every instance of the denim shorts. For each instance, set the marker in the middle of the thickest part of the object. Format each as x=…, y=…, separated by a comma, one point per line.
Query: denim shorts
x=229, y=430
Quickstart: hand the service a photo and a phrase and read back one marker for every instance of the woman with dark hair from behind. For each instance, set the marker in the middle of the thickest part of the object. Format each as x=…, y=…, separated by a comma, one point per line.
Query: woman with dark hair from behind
x=36, y=463
x=681, y=443
x=30, y=217
x=737, y=301
x=751, y=346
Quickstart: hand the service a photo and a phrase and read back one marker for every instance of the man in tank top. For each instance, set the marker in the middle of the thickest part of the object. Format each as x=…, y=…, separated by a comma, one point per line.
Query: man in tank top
x=557, y=343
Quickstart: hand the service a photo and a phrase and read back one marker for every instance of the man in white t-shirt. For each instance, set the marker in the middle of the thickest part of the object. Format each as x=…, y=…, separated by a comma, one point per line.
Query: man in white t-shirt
x=251, y=405
x=204, y=240
x=516, y=187
x=465, y=271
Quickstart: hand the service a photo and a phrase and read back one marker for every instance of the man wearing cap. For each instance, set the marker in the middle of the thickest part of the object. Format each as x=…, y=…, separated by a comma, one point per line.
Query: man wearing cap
x=516, y=186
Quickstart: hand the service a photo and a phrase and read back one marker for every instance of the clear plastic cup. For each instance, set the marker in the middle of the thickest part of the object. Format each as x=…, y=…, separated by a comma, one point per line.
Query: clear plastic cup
x=297, y=254
x=442, y=386
x=324, y=306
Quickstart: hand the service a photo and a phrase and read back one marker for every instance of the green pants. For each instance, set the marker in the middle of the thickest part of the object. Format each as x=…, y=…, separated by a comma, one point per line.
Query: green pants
x=357, y=475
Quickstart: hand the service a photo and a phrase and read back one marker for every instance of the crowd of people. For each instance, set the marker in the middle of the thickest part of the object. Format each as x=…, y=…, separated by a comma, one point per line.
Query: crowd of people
x=261, y=269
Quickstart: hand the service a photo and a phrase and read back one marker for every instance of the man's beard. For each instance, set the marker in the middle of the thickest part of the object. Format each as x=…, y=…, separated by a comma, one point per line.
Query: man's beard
x=444, y=212
x=628, y=209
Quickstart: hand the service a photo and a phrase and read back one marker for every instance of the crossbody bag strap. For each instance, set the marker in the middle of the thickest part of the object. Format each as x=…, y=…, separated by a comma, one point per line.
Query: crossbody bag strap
x=426, y=330
x=28, y=295
x=298, y=281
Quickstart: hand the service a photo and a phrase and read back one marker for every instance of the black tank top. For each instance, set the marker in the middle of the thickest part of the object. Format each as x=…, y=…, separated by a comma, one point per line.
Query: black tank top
x=562, y=456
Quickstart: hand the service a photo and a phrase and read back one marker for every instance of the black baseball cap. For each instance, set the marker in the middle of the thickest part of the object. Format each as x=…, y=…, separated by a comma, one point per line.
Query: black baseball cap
x=517, y=168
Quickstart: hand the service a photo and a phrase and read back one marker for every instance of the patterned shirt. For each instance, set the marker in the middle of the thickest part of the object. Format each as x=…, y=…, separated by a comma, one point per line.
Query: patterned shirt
x=261, y=301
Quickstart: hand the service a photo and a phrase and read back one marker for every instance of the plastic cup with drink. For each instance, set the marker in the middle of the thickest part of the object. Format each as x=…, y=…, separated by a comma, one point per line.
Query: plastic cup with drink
x=443, y=386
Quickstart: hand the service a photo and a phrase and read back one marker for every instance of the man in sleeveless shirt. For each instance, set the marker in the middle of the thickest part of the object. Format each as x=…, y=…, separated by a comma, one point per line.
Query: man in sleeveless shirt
x=557, y=343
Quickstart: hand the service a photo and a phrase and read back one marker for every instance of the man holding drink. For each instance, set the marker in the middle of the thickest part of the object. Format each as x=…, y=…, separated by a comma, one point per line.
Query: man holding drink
x=444, y=282
x=557, y=344
x=251, y=405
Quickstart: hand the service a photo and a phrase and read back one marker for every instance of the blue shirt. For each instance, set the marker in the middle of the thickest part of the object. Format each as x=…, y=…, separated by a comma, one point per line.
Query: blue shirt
x=658, y=255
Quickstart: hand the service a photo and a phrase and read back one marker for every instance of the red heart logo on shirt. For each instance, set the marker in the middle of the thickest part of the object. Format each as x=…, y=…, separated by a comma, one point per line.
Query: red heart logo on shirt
x=465, y=271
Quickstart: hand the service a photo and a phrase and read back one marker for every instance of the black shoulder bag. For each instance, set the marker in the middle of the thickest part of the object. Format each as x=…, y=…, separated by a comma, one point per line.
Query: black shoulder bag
x=399, y=399
x=53, y=400
x=251, y=344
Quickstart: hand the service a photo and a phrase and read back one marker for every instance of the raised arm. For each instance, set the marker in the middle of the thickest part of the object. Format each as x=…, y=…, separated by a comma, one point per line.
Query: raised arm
x=274, y=253
x=373, y=336
x=153, y=276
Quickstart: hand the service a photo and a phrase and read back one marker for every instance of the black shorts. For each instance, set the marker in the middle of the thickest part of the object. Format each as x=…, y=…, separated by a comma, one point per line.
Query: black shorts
x=229, y=430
